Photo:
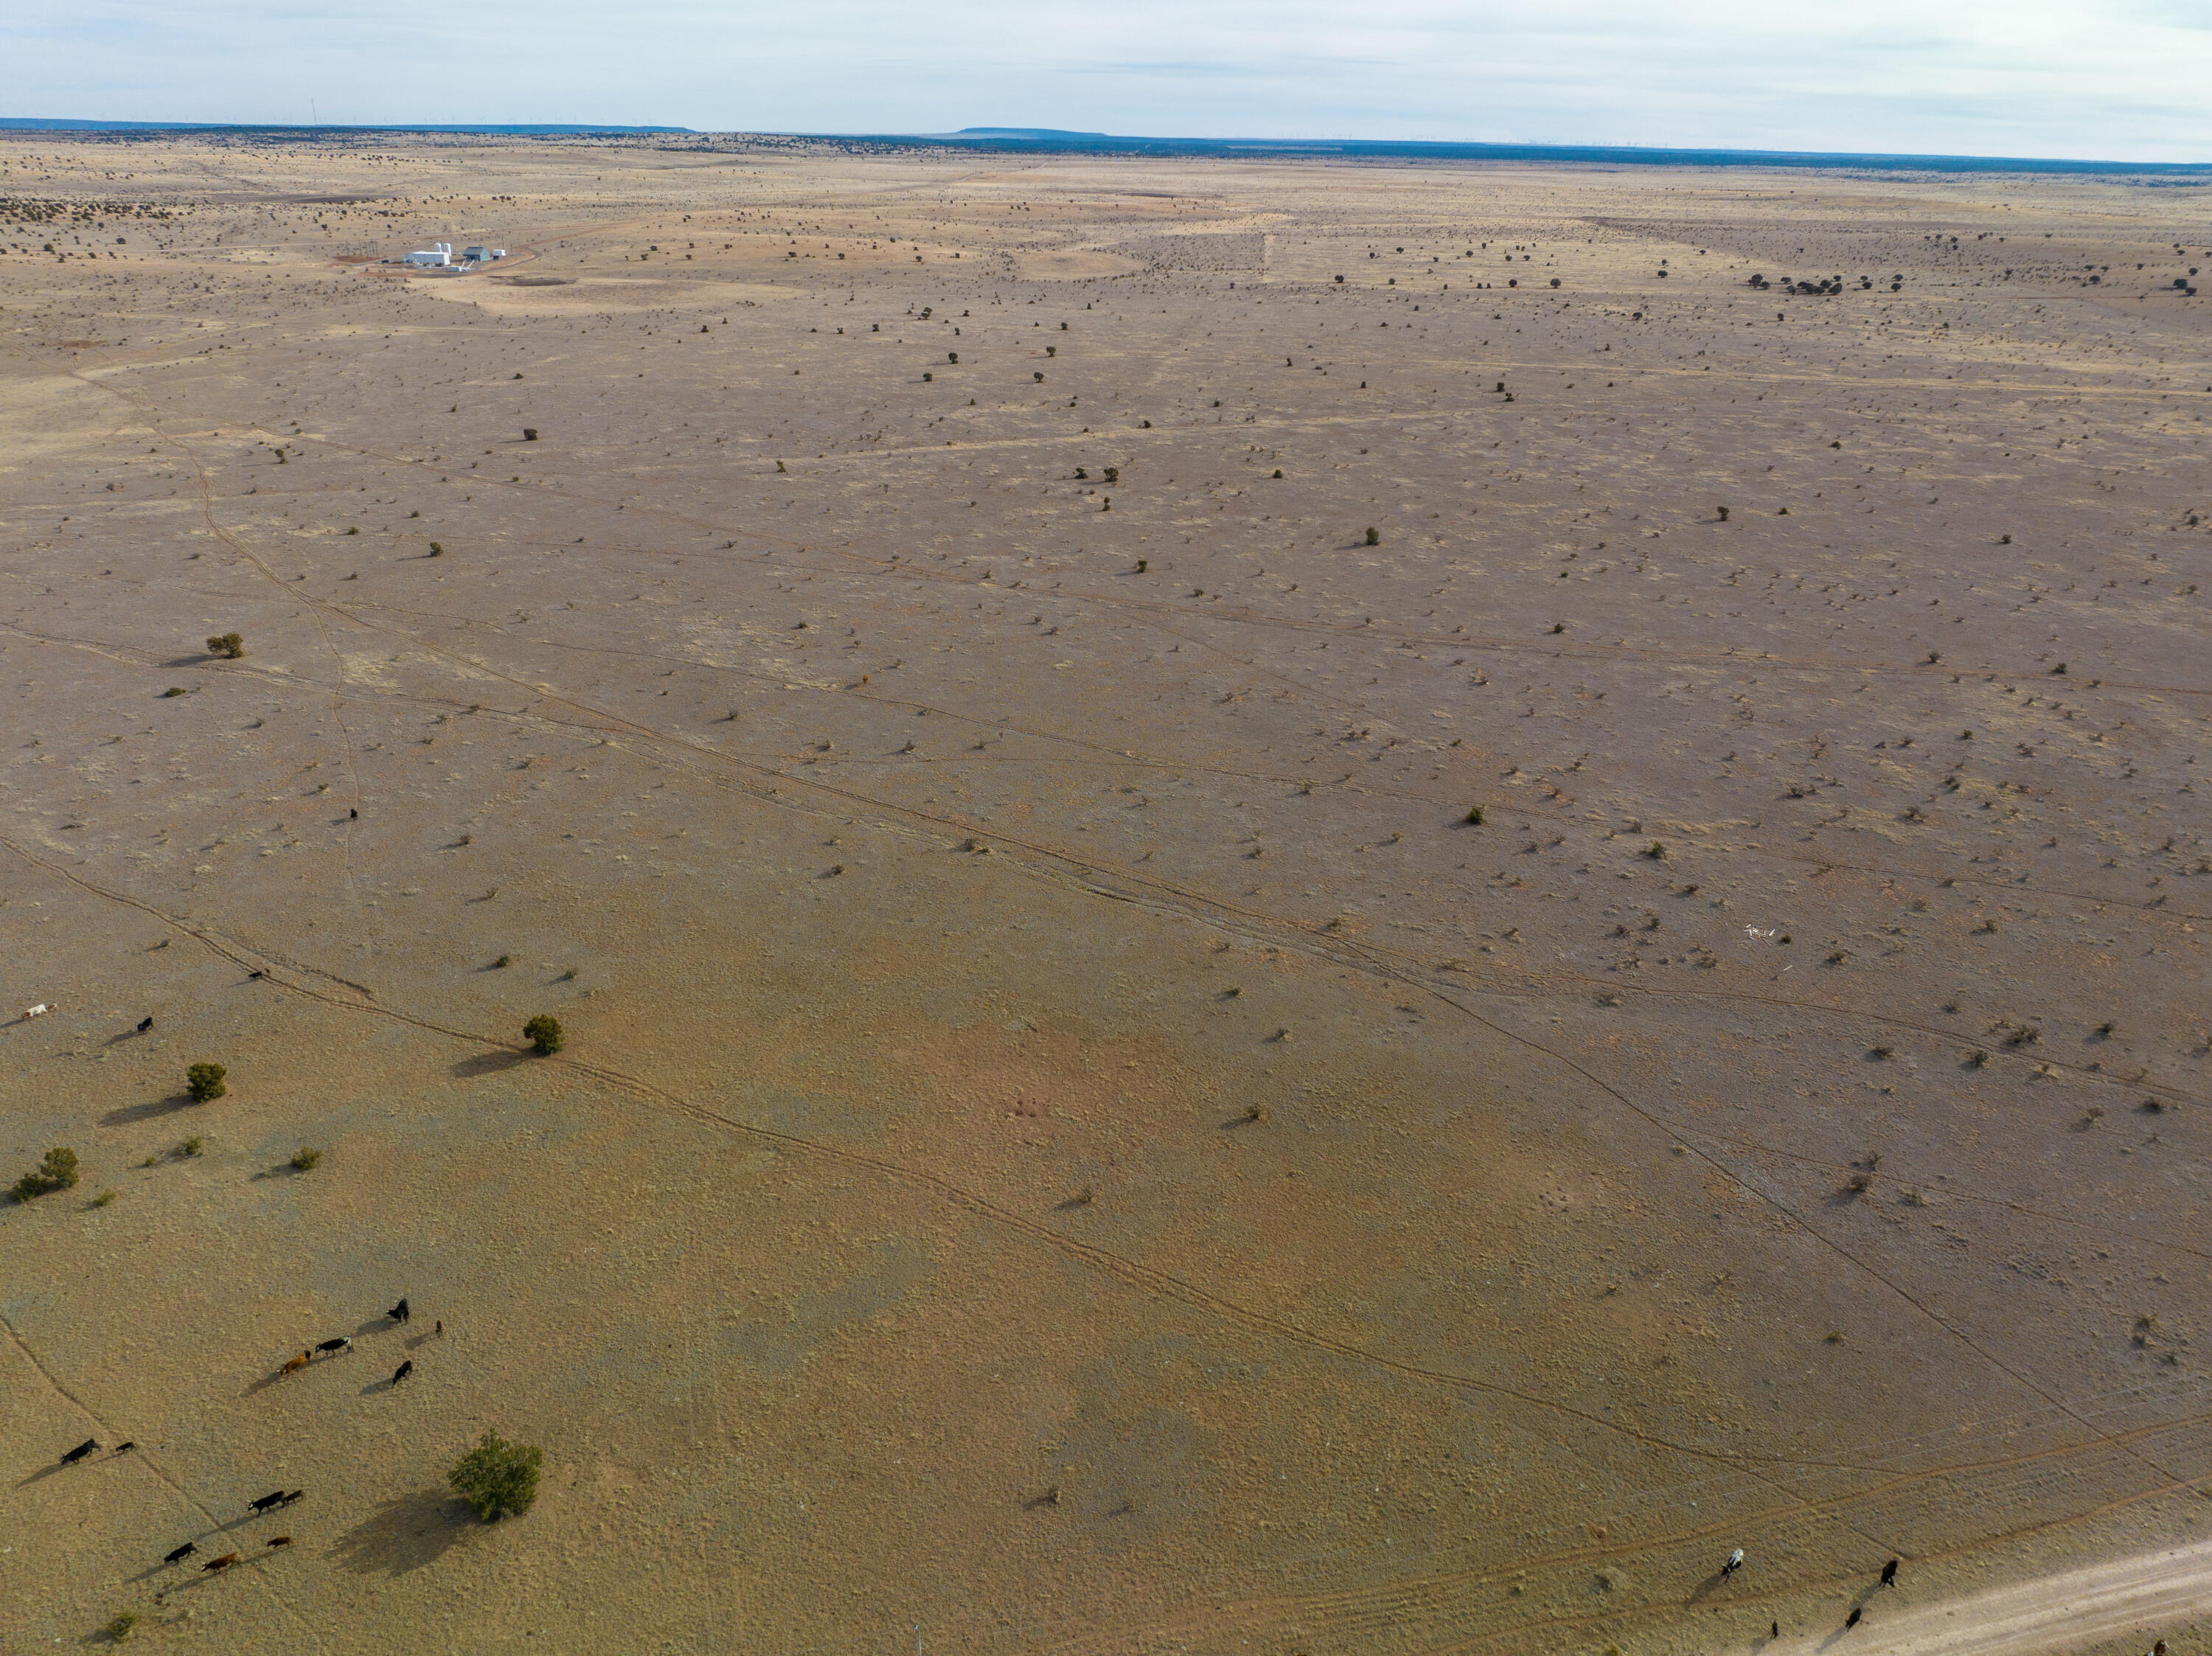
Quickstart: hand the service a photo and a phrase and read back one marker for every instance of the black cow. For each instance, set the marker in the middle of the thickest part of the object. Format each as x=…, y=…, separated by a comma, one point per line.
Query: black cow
x=1852, y=1620
x=125, y=1448
x=403, y=1371
x=274, y=1498
x=399, y=1312
x=185, y=1551
x=144, y=1025
x=343, y=1342
x=1889, y=1572
x=80, y=1452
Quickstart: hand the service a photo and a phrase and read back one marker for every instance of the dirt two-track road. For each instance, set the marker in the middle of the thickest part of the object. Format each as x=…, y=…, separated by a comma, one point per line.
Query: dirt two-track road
x=1271, y=938
x=2071, y=1609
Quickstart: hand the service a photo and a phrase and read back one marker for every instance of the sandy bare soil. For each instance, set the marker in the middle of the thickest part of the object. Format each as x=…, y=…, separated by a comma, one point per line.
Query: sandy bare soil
x=2063, y=1611
x=1147, y=1070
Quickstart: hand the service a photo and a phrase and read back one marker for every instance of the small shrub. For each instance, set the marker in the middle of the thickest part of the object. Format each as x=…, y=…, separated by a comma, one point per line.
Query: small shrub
x=1113, y=473
x=1835, y=1337
x=544, y=1032
x=1373, y=539
x=229, y=646
x=57, y=1172
x=205, y=1082
x=103, y=1198
x=354, y=529
x=1474, y=815
x=1278, y=471
x=1655, y=852
x=436, y=550
x=503, y=961
x=304, y=1159
x=498, y=1479
x=119, y=1628
x=190, y=1147
x=1860, y=1183
x=1724, y=511
x=174, y=689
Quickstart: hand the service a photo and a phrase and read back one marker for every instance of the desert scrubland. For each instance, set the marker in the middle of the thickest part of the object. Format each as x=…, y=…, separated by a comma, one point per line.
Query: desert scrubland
x=1145, y=1070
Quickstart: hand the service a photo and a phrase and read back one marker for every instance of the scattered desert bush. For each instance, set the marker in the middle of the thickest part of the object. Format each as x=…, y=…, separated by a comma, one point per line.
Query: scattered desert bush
x=304, y=1158
x=498, y=1479
x=205, y=1082
x=103, y=1198
x=190, y=1147
x=119, y=1628
x=1373, y=539
x=229, y=646
x=57, y=1172
x=1474, y=815
x=544, y=1032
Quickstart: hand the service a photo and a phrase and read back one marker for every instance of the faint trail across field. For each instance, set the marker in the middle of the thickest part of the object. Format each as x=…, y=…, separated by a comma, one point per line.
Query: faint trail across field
x=2042, y=1618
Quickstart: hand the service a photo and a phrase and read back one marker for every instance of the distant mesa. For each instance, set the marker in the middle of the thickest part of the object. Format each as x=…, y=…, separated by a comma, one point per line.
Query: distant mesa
x=1047, y=132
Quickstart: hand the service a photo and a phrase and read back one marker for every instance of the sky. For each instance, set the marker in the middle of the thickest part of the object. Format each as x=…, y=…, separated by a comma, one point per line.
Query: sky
x=2119, y=80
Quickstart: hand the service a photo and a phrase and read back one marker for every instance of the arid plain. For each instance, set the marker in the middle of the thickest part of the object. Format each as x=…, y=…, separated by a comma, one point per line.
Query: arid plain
x=1143, y=1074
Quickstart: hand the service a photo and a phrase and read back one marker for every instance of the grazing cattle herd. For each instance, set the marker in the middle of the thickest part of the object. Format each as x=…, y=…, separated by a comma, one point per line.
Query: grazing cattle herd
x=275, y=1499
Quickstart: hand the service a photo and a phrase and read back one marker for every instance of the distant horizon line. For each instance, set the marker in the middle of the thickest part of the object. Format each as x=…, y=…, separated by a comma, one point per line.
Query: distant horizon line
x=1053, y=140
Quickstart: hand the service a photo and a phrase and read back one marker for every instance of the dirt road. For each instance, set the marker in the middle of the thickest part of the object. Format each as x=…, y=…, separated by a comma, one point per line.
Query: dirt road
x=2150, y=1592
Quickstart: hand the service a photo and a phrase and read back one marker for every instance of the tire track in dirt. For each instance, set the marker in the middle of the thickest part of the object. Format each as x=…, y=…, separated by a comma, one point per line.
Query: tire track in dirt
x=1145, y=1279
x=147, y=1459
x=1163, y=1285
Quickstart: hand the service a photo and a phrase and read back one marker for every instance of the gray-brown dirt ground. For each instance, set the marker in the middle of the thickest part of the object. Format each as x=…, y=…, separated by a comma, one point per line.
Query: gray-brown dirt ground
x=1069, y=1138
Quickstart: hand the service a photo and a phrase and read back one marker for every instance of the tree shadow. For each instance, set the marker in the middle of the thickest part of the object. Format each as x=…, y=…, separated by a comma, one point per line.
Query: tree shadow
x=484, y=1063
x=404, y=1534
x=148, y=1111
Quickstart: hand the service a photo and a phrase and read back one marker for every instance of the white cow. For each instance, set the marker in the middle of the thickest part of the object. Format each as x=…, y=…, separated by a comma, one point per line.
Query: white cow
x=38, y=1011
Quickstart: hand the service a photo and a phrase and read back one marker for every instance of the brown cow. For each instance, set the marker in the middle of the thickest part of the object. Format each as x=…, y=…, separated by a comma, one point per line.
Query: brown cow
x=222, y=1563
x=279, y=1540
x=294, y=1365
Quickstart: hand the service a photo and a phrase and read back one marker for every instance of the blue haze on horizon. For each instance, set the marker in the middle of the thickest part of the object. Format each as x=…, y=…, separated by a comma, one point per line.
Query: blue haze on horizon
x=2116, y=80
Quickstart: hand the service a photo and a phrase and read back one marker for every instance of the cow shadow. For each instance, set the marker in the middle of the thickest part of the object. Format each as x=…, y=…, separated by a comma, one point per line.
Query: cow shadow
x=148, y=1111
x=1707, y=1587
x=404, y=1535
x=484, y=1063
x=269, y=1379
